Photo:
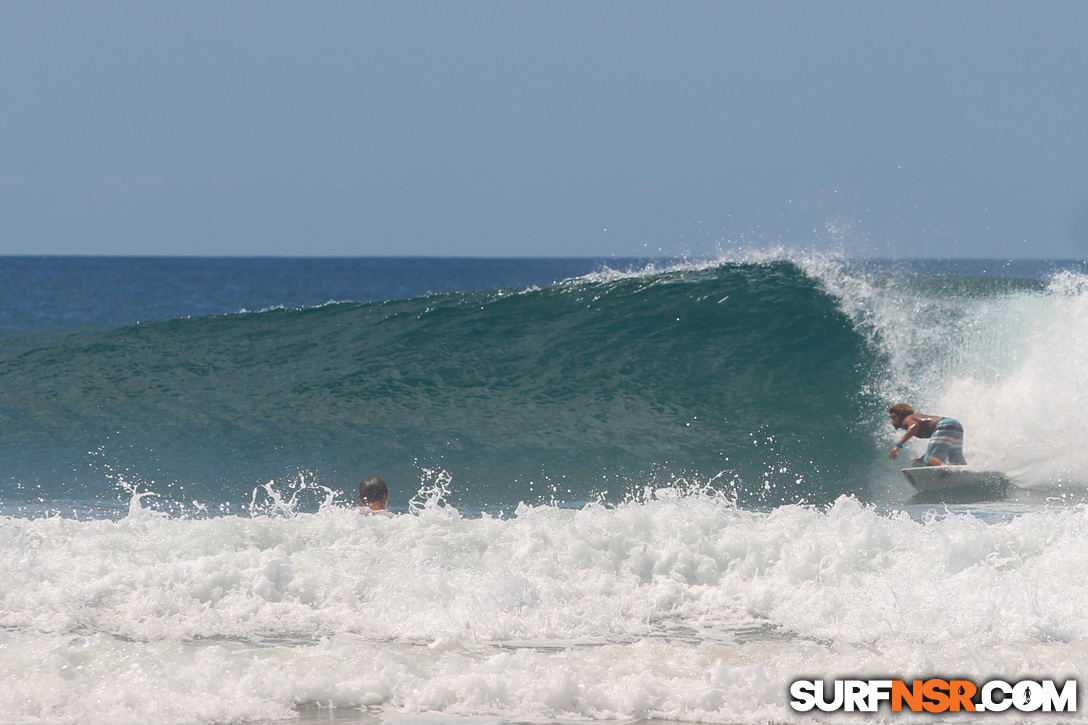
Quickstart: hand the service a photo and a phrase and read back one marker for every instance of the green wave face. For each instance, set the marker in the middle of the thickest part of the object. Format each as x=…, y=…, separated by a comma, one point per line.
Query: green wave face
x=743, y=377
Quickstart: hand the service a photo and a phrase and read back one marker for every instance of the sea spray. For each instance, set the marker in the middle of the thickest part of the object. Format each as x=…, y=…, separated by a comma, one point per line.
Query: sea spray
x=1003, y=355
x=1029, y=417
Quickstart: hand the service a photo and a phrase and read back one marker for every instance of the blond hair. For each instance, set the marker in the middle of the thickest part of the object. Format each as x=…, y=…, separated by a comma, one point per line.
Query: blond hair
x=901, y=409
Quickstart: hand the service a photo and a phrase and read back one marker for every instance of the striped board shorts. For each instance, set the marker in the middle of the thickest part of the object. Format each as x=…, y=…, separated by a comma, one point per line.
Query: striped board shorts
x=946, y=442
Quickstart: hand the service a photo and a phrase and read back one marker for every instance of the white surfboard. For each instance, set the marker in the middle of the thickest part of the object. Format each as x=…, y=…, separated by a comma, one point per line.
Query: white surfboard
x=946, y=478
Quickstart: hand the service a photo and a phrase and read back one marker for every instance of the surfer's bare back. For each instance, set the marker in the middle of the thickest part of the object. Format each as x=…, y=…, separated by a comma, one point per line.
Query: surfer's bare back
x=945, y=436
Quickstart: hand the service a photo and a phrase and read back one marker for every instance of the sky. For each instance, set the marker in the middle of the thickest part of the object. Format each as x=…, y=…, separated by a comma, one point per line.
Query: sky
x=525, y=128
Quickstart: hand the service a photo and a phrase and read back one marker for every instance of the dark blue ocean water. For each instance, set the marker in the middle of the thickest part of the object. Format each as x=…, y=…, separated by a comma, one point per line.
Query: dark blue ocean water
x=64, y=292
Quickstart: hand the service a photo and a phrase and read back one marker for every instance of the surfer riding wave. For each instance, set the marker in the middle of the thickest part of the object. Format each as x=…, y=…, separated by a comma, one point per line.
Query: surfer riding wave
x=945, y=436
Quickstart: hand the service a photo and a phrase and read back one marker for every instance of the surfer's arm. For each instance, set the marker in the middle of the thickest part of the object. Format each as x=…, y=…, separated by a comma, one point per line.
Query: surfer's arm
x=907, y=435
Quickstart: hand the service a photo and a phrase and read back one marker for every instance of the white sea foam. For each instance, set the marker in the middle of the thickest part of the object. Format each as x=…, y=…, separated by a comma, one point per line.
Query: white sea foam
x=675, y=606
x=1032, y=415
x=1011, y=364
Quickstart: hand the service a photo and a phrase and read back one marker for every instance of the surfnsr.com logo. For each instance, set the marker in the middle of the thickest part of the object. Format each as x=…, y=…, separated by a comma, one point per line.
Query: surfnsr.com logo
x=934, y=695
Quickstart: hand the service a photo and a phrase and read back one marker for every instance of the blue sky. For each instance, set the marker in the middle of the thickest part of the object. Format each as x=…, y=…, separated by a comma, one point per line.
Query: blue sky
x=544, y=128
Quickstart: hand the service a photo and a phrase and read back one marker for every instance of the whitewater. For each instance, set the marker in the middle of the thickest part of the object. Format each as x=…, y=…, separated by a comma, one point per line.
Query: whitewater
x=636, y=493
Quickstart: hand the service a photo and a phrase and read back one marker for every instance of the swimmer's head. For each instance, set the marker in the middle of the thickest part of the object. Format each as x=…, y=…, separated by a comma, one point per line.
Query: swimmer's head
x=372, y=490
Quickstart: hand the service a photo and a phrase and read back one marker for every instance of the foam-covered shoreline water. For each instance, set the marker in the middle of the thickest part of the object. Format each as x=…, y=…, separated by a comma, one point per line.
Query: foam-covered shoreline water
x=677, y=606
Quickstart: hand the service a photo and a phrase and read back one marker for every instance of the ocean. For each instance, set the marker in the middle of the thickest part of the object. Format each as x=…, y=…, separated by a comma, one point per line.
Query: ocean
x=624, y=490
